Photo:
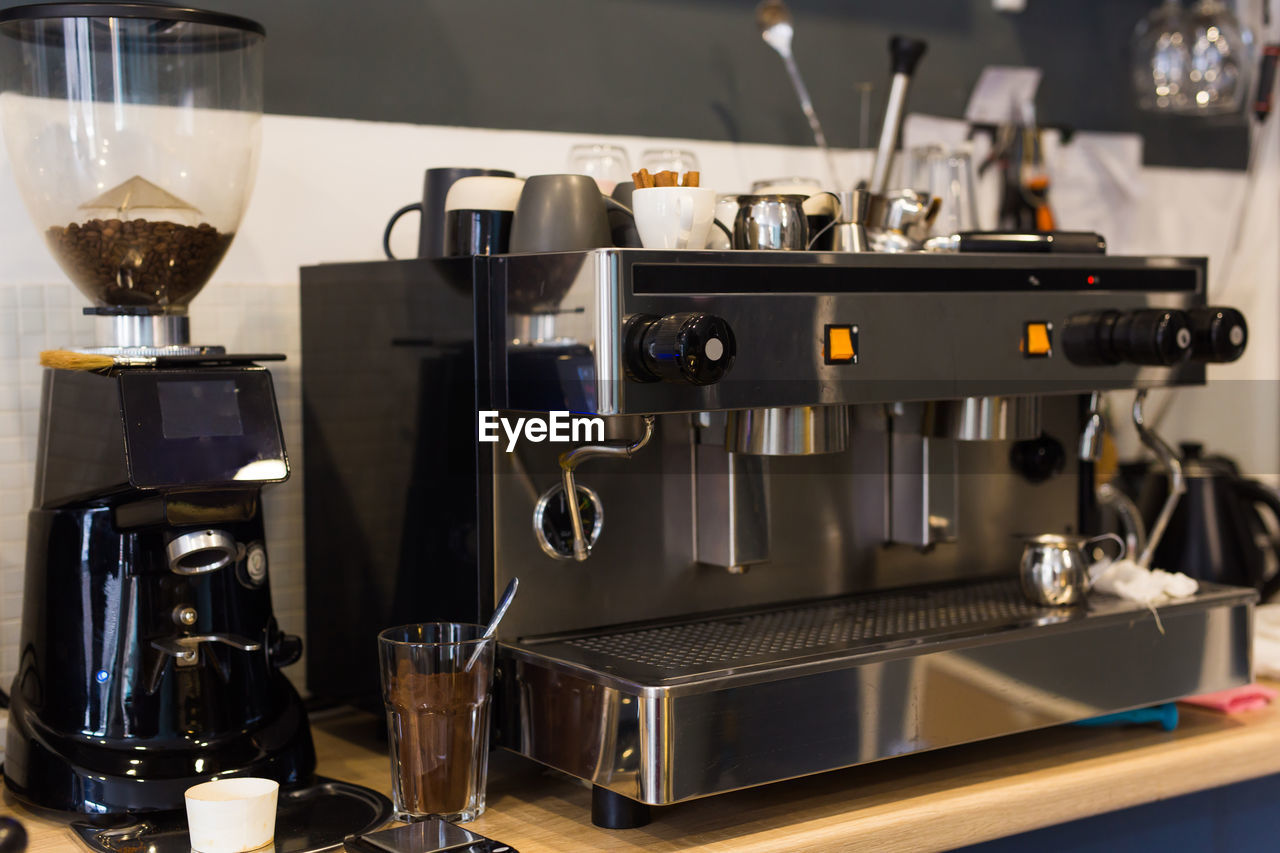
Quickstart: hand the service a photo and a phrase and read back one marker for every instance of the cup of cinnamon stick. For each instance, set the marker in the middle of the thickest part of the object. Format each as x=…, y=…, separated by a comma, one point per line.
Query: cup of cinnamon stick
x=672, y=211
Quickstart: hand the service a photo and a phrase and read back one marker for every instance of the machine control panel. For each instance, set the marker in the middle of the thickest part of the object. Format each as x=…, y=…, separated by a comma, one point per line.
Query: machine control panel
x=689, y=347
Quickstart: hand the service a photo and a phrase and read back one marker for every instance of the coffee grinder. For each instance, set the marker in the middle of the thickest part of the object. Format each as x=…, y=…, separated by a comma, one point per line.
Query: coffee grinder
x=150, y=657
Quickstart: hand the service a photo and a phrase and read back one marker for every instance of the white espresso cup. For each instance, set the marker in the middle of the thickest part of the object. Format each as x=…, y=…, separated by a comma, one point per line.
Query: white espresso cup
x=674, y=217
x=232, y=815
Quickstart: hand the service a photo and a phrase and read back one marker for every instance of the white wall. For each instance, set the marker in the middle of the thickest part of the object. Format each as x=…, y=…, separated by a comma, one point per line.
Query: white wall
x=324, y=191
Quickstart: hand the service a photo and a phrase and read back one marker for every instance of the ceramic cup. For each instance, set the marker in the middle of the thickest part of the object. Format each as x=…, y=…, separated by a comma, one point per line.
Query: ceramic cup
x=478, y=212
x=561, y=213
x=674, y=217
x=232, y=815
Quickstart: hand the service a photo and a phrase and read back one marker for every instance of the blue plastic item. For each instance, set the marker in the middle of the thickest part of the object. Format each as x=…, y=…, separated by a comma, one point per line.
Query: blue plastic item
x=1166, y=715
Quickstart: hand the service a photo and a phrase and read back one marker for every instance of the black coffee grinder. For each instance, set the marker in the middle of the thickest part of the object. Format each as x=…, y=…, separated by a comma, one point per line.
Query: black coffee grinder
x=150, y=658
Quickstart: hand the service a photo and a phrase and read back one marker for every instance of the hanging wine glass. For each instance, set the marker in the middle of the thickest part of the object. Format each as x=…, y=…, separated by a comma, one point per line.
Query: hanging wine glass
x=1162, y=59
x=1221, y=51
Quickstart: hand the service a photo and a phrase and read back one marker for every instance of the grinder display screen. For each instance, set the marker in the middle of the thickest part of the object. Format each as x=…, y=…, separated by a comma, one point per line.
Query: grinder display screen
x=201, y=427
x=199, y=409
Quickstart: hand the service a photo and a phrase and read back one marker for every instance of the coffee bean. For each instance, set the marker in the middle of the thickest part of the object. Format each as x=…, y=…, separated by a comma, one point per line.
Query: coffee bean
x=137, y=261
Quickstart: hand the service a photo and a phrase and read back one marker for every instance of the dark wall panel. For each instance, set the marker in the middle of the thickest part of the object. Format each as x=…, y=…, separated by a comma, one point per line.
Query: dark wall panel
x=699, y=69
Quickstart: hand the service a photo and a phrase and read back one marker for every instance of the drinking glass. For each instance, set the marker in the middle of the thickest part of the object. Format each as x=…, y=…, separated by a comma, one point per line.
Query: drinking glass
x=608, y=164
x=917, y=168
x=436, y=680
x=932, y=170
x=669, y=159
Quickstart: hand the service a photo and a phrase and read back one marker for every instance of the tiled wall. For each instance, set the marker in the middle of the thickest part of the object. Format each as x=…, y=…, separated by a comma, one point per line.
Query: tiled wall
x=323, y=192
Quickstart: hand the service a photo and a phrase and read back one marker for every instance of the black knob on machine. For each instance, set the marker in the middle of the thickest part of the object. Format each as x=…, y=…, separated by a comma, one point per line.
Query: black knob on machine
x=689, y=347
x=1153, y=336
x=1218, y=335
x=1086, y=339
x=284, y=650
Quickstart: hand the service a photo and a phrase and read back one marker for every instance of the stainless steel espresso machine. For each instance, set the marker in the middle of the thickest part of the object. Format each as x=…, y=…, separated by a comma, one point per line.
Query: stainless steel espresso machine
x=150, y=656
x=795, y=546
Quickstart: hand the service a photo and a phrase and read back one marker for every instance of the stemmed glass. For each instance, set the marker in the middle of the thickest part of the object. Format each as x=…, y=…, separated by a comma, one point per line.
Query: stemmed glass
x=669, y=159
x=1221, y=59
x=1193, y=62
x=608, y=164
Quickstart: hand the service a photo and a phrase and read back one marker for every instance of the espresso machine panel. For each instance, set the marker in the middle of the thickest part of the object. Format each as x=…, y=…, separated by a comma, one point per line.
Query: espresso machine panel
x=928, y=327
x=794, y=540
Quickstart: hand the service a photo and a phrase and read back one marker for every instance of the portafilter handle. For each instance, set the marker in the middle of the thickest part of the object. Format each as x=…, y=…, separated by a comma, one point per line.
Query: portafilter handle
x=571, y=459
x=1177, y=483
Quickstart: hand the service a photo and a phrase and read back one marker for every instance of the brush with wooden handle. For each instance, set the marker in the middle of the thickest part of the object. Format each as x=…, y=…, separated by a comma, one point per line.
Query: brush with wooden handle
x=96, y=362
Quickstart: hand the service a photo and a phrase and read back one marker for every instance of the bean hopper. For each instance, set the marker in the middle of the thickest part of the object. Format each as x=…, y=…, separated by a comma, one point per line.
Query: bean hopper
x=150, y=656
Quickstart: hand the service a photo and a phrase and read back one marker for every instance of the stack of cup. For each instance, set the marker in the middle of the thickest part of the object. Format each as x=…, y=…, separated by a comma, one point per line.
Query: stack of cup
x=477, y=215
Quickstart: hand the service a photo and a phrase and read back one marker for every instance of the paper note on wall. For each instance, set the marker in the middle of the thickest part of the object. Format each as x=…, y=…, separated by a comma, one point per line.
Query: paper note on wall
x=1003, y=93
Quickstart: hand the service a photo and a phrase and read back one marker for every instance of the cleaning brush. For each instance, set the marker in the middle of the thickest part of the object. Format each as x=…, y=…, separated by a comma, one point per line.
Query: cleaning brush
x=96, y=362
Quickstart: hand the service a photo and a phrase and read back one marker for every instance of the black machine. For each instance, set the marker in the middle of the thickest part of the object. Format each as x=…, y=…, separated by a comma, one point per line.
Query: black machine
x=150, y=658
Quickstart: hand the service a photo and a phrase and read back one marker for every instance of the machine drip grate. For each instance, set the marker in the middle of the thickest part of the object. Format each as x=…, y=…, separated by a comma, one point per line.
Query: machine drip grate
x=867, y=619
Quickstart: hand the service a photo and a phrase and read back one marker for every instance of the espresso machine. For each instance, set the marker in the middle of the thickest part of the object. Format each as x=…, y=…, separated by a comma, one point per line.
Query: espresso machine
x=150, y=658
x=793, y=545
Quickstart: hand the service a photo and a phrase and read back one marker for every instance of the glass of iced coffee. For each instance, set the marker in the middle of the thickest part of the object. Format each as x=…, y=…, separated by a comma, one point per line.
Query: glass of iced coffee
x=436, y=680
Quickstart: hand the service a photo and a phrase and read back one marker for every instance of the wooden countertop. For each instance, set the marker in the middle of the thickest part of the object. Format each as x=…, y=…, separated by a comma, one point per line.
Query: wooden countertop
x=933, y=801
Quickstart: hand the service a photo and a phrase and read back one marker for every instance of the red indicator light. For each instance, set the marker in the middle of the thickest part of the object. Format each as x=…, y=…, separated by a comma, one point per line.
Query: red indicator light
x=1093, y=279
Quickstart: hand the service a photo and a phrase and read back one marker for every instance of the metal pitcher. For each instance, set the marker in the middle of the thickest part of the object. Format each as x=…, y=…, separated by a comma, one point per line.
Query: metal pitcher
x=771, y=221
x=1055, y=571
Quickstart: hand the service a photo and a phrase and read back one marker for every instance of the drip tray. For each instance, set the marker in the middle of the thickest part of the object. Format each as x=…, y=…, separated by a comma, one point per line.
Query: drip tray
x=307, y=820
x=669, y=711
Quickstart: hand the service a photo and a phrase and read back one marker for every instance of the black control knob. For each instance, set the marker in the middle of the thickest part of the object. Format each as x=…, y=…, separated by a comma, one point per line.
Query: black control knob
x=690, y=347
x=1086, y=339
x=1153, y=336
x=1218, y=335
x=284, y=650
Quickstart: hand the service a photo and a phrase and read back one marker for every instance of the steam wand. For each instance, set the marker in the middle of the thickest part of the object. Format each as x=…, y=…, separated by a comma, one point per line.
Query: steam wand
x=1177, y=484
x=571, y=459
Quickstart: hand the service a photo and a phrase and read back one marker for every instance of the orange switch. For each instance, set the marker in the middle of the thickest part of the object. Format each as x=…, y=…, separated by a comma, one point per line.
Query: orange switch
x=841, y=345
x=1035, y=340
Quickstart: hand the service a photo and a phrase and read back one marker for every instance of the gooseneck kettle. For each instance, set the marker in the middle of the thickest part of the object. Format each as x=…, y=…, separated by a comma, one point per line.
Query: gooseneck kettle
x=1218, y=532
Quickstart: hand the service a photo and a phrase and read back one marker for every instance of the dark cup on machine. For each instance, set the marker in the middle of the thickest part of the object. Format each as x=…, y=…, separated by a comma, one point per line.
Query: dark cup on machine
x=478, y=212
x=435, y=188
x=562, y=213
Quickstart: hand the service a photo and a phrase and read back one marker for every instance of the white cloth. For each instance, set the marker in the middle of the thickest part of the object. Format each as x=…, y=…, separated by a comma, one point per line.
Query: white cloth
x=1127, y=580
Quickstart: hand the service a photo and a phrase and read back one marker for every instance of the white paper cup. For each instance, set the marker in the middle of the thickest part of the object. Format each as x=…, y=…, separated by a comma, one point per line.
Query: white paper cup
x=232, y=815
x=674, y=217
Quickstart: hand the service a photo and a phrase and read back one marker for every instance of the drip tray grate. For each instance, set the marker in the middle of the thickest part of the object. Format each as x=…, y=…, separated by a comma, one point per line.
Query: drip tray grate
x=868, y=619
